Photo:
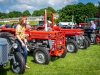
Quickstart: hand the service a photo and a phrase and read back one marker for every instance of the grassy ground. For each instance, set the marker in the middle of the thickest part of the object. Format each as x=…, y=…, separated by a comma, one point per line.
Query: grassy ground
x=84, y=62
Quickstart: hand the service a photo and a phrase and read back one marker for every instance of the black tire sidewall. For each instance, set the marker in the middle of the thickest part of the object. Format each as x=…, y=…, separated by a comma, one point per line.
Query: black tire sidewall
x=75, y=45
x=46, y=53
x=18, y=56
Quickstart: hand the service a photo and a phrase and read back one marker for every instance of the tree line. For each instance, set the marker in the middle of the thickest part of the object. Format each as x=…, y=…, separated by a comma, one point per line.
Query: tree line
x=80, y=12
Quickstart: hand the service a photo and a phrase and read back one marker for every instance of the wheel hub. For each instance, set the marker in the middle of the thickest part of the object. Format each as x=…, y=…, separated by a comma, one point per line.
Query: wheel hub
x=70, y=47
x=40, y=57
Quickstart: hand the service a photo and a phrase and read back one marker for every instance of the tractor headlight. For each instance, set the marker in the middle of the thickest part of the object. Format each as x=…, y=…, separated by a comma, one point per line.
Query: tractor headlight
x=14, y=45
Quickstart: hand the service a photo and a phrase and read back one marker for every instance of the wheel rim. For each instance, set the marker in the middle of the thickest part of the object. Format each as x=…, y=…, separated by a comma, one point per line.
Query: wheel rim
x=70, y=47
x=16, y=67
x=92, y=40
x=40, y=57
x=81, y=44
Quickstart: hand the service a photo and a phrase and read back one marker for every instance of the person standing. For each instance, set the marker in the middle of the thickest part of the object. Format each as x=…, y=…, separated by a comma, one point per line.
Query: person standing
x=20, y=38
x=28, y=25
x=93, y=26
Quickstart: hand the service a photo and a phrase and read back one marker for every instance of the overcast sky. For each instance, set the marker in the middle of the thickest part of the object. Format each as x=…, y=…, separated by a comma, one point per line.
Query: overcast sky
x=31, y=5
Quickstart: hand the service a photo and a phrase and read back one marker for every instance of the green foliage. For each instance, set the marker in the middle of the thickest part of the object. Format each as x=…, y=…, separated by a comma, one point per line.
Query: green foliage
x=91, y=10
x=41, y=12
x=79, y=11
x=14, y=14
x=97, y=15
x=36, y=13
x=3, y=15
x=26, y=13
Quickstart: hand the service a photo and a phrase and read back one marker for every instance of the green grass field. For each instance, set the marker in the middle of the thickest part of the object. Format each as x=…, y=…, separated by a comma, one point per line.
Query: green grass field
x=84, y=62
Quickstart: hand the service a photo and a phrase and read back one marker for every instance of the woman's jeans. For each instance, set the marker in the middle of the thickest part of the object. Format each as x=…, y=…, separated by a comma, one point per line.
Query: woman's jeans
x=22, y=50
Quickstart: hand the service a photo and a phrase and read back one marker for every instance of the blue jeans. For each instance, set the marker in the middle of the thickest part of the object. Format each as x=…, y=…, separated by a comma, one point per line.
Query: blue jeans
x=22, y=50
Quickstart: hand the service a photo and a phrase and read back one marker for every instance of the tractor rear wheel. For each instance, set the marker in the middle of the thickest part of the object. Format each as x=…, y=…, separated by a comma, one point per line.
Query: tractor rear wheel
x=41, y=56
x=84, y=44
x=9, y=37
x=71, y=46
x=94, y=41
x=89, y=42
x=19, y=65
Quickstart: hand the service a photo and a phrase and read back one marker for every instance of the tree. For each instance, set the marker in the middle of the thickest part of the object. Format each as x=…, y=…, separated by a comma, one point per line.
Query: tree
x=97, y=15
x=11, y=14
x=14, y=14
x=90, y=10
x=41, y=11
x=36, y=13
x=26, y=13
x=51, y=9
x=79, y=11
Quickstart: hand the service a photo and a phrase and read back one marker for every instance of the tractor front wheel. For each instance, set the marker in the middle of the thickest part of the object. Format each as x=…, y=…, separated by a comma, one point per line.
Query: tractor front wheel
x=83, y=44
x=88, y=40
x=41, y=56
x=71, y=46
x=94, y=41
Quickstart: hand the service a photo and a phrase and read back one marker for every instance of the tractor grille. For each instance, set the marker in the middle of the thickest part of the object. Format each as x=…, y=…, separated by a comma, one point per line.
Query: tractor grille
x=4, y=53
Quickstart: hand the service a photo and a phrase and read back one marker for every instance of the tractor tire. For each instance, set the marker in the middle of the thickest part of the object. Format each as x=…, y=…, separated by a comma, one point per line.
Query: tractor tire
x=89, y=42
x=71, y=46
x=19, y=66
x=85, y=44
x=1, y=66
x=94, y=42
x=9, y=37
x=64, y=53
x=41, y=56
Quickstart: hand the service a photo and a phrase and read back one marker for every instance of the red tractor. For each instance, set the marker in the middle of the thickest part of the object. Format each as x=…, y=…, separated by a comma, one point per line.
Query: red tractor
x=43, y=43
x=74, y=37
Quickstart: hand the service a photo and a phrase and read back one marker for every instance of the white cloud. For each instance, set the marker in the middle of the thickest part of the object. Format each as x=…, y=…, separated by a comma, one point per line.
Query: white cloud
x=21, y=7
x=45, y=3
x=1, y=0
x=31, y=5
x=7, y=2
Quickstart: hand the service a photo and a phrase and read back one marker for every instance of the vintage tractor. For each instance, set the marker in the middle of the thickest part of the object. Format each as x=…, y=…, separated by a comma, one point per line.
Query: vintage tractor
x=77, y=40
x=43, y=43
x=7, y=53
x=77, y=36
x=89, y=34
x=46, y=43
